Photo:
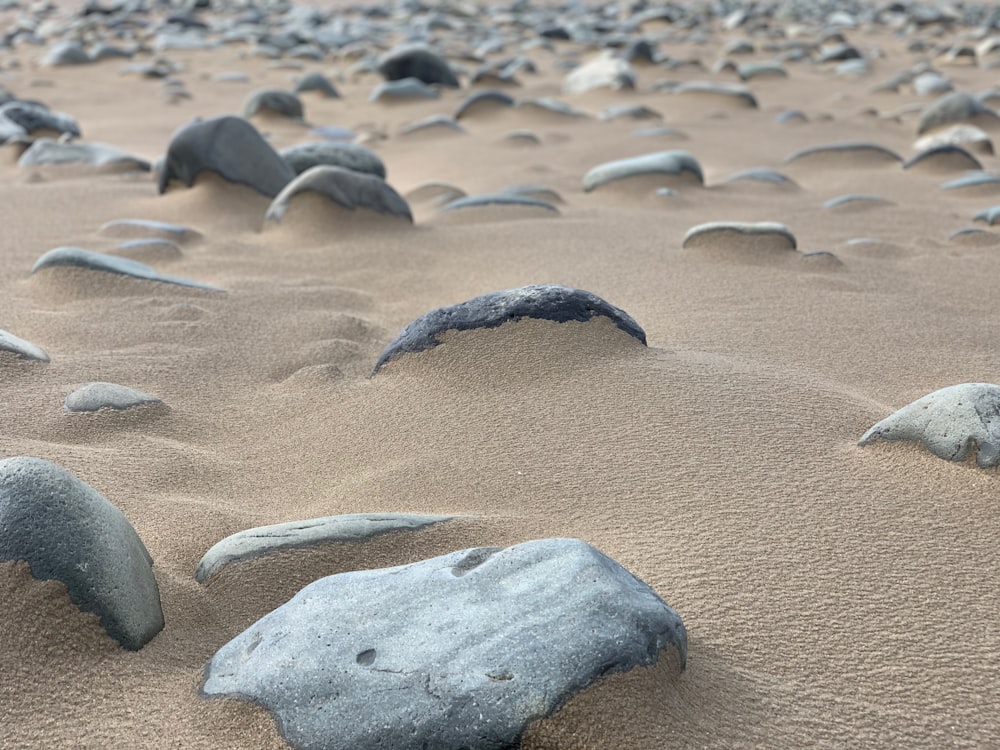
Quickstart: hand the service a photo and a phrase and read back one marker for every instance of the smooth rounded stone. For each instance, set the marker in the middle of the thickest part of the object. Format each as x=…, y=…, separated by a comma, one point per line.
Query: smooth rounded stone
x=739, y=235
x=275, y=103
x=947, y=158
x=69, y=52
x=764, y=70
x=141, y=228
x=484, y=103
x=417, y=61
x=731, y=93
x=538, y=192
x=266, y=540
x=955, y=107
x=660, y=131
x=460, y=651
x=435, y=192
x=665, y=163
x=629, y=112
x=334, y=133
x=435, y=124
x=103, y=51
x=230, y=147
x=838, y=53
x=149, y=249
x=606, y=71
x=344, y=187
x=822, y=259
x=403, y=90
x=319, y=83
x=21, y=348
x=66, y=531
x=739, y=46
x=91, y=397
x=848, y=154
x=854, y=201
x=542, y=301
x=762, y=174
x=974, y=236
x=989, y=215
x=522, y=138
x=853, y=68
x=357, y=158
x=90, y=260
x=791, y=116
x=498, y=199
x=974, y=180
x=930, y=83
x=47, y=152
x=546, y=105
x=19, y=118
x=967, y=136
x=951, y=423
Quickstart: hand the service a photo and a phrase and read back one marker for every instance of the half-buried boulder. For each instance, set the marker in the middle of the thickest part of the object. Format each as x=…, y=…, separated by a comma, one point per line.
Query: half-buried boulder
x=952, y=423
x=92, y=397
x=46, y=152
x=663, y=168
x=93, y=261
x=765, y=236
x=465, y=650
x=945, y=158
x=346, y=189
x=417, y=61
x=956, y=107
x=351, y=156
x=68, y=532
x=273, y=103
x=847, y=155
x=543, y=301
x=21, y=348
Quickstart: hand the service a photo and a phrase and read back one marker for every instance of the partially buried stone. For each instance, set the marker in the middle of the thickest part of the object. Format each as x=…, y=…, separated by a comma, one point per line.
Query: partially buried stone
x=417, y=61
x=766, y=235
x=989, y=215
x=319, y=83
x=274, y=102
x=66, y=531
x=90, y=260
x=542, y=301
x=957, y=106
x=498, y=199
x=465, y=650
x=403, y=90
x=148, y=228
x=31, y=118
x=69, y=52
x=487, y=102
x=46, y=151
x=23, y=349
x=606, y=71
x=351, y=156
x=666, y=163
x=951, y=423
x=847, y=153
x=345, y=188
x=91, y=397
x=944, y=158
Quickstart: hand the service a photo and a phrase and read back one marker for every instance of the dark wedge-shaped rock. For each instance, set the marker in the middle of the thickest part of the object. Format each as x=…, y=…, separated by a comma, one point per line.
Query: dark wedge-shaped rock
x=273, y=103
x=66, y=531
x=543, y=301
x=345, y=188
x=231, y=148
x=956, y=107
x=266, y=540
x=91, y=397
x=88, y=259
x=952, y=423
x=667, y=164
x=21, y=348
x=848, y=155
x=319, y=83
x=731, y=93
x=739, y=235
x=948, y=158
x=47, y=152
x=351, y=156
x=417, y=61
x=460, y=651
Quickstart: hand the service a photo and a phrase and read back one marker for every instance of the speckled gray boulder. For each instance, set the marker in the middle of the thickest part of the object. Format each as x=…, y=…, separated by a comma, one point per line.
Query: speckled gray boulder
x=417, y=61
x=955, y=107
x=91, y=397
x=46, y=151
x=543, y=301
x=231, y=148
x=68, y=532
x=465, y=650
x=345, y=188
x=23, y=349
x=273, y=102
x=94, y=261
x=666, y=163
x=264, y=540
x=351, y=156
x=767, y=235
x=951, y=423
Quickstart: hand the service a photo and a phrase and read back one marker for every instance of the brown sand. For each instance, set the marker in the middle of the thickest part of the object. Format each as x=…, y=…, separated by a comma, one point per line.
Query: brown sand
x=834, y=595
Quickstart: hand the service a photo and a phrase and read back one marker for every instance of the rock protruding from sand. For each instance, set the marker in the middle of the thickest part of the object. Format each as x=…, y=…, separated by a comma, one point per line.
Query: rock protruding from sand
x=231, y=148
x=967, y=136
x=142, y=228
x=989, y=215
x=353, y=156
x=273, y=103
x=67, y=52
x=19, y=119
x=484, y=103
x=764, y=175
x=459, y=651
x=957, y=106
x=507, y=199
x=319, y=83
x=944, y=158
x=403, y=91
x=766, y=236
x=846, y=155
x=92, y=397
x=659, y=165
x=46, y=152
x=94, y=261
x=951, y=423
x=265, y=540
x=606, y=71
x=66, y=531
x=21, y=348
x=543, y=301
x=417, y=61
x=344, y=188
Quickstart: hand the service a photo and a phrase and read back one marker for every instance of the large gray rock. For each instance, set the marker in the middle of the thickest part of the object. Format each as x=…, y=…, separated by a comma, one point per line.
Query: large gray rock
x=351, y=156
x=417, y=61
x=265, y=540
x=665, y=163
x=273, y=102
x=46, y=151
x=23, y=349
x=543, y=301
x=91, y=397
x=345, y=188
x=68, y=532
x=459, y=651
x=955, y=107
x=94, y=261
x=951, y=423
x=231, y=148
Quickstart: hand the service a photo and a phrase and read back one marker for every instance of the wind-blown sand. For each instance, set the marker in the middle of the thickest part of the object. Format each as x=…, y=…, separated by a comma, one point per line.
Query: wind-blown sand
x=833, y=595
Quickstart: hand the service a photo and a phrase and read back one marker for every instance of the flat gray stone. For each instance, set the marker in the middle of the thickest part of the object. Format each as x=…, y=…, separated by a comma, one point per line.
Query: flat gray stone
x=944, y=158
x=347, y=189
x=46, y=151
x=955, y=107
x=856, y=200
x=434, y=124
x=762, y=174
x=951, y=423
x=736, y=94
x=849, y=154
x=767, y=235
x=974, y=180
x=141, y=228
x=275, y=102
x=629, y=112
x=94, y=261
x=498, y=199
x=66, y=531
x=265, y=540
x=405, y=89
x=23, y=349
x=549, y=106
x=542, y=301
x=417, y=61
x=666, y=163
x=91, y=397
x=231, y=148
x=752, y=70
x=465, y=650
x=357, y=158
x=319, y=83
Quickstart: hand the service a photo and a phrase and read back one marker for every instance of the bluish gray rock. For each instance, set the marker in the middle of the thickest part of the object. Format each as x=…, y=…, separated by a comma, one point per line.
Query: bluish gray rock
x=46, y=151
x=345, y=188
x=435, y=192
x=944, y=158
x=417, y=61
x=951, y=423
x=23, y=349
x=265, y=540
x=989, y=215
x=140, y=228
x=856, y=200
x=543, y=301
x=733, y=93
x=751, y=70
x=274, y=102
x=546, y=105
x=459, y=651
x=848, y=154
x=665, y=163
x=484, y=103
x=231, y=148
x=762, y=174
x=68, y=52
x=974, y=180
x=403, y=90
x=68, y=532
x=88, y=259
x=440, y=124
x=956, y=107
x=766, y=235
x=630, y=112
x=498, y=199
x=91, y=397
x=357, y=158
x=319, y=83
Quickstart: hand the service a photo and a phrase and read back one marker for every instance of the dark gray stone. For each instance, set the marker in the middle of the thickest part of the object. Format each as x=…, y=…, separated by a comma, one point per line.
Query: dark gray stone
x=68, y=532
x=854, y=150
x=346, y=188
x=273, y=102
x=96, y=396
x=950, y=158
x=230, y=147
x=955, y=107
x=767, y=235
x=28, y=118
x=735, y=93
x=140, y=228
x=88, y=259
x=319, y=83
x=351, y=156
x=951, y=423
x=542, y=301
x=749, y=71
x=417, y=61
x=265, y=540
x=465, y=650
x=666, y=163
x=630, y=111
x=23, y=349
x=405, y=89
x=47, y=152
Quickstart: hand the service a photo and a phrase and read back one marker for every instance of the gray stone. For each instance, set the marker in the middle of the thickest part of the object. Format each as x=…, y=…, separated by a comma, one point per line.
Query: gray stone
x=102, y=51
x=319, y=83
x=88, y=259
x=749, y=71
x=951, y=423
x=549, y=106
x=403, y=90
x=522, y=138
x=357, y=158
x=666, y=163
x=347, y=189
x=68, y=532
x=955, y=107
x=417, y=61
x=45, y=151
x=274, y=102
x=265, y=540
x=96, y=396
x=855, y=200
x=498, y=199
x=967, y=136
x=434, y=124
x=603, y=72
x=538, y=192
x=465, y=650
x=733, y=93
x=946, y=158
x=930, y=83
x=484, y=103
x=767, y=235
x=141, y=228
x=231, y=148
x=974, y=180
x=542, y=301
x=23, y=349
x=435, y=192
x=989, y=215
x=19, y=118
x=849, y=153
x=630, y=111
x=762, y=174
x=66, y=53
